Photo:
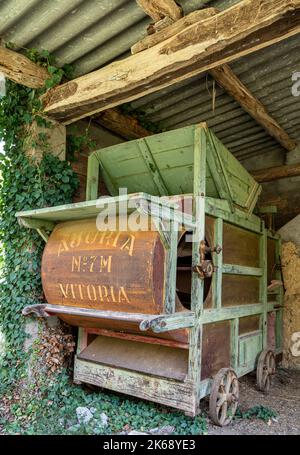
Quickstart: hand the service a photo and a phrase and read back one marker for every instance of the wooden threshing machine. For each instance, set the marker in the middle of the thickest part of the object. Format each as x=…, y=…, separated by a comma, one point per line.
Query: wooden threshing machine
x=179, y=308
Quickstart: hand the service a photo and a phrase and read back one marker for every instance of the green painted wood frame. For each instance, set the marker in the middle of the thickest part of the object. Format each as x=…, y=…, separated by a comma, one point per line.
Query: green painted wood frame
x=186, y=395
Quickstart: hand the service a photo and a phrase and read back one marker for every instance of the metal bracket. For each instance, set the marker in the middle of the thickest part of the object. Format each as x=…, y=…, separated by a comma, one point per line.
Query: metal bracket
x=206, y=267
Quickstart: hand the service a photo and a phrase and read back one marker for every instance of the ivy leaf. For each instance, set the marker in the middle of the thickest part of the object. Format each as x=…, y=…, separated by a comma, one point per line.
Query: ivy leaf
x=51, y=69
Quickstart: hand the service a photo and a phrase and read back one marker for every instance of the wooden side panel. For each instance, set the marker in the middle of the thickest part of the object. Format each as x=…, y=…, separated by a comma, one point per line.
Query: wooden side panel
x=249, y=324
x=154, y=359
x=116, y=271
x=215, y=348
x=239, y=290
x=240, y=247
x=170, y=393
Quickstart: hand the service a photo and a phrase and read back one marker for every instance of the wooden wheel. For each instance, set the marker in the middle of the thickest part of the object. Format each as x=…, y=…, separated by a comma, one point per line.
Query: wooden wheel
x=266, y=368
x=224, y=397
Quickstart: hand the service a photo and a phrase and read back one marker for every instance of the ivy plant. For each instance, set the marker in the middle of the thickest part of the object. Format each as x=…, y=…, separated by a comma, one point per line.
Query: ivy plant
x=47, y=405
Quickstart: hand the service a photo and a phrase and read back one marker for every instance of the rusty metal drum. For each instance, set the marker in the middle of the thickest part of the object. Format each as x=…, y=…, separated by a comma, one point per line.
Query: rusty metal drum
x=103, y=270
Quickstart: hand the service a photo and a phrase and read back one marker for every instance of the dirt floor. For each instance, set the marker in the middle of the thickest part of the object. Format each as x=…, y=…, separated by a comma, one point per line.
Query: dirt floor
x=284, y=399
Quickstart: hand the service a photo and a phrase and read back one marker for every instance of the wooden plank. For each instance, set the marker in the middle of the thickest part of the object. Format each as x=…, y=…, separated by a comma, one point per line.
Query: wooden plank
x=276, y=173
x=158, y=9
x=176, y=394
x=20, y=69
x=244, y=28
x=218, y=263
x=152, y=168
x=226, y=78
x=219, y=208
x=125, y=126
x=214, y=315
x=232, y=269
x=172, y=30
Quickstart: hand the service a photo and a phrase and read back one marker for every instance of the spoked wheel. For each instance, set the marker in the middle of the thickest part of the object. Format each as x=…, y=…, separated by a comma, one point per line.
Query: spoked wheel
x=266, y=368
x=224, y=397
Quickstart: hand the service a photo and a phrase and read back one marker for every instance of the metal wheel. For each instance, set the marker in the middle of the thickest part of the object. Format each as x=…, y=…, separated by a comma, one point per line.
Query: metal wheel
x=266, y=368
x=224, y=397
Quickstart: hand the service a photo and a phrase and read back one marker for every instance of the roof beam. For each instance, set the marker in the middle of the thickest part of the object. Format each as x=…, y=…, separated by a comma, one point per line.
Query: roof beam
x=244, y=28
x=159, y=9
x=276, y=173
x=124, y=125
x=20, y=69
x=226, y=78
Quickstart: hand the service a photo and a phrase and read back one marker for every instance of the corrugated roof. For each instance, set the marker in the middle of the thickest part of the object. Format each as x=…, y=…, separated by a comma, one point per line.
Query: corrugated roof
x=91, y=33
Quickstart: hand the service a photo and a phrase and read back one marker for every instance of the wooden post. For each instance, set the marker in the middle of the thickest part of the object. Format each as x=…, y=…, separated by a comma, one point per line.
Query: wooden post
x=195, y=342
x=92, y=182
x=263, y=292
x=218, y=263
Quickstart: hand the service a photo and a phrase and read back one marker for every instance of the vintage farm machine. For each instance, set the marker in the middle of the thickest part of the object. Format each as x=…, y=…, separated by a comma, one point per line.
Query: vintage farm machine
x=160, y=317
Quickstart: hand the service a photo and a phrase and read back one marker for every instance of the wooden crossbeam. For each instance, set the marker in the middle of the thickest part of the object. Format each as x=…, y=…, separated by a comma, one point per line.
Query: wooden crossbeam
x=124, y=125
x=20, y=69
x=244, y=28
x=159, y=9
x=226, y=78
x=276, y=173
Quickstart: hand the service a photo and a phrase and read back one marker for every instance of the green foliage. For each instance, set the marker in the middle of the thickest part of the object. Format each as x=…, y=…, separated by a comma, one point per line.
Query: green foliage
x=25, y=184
x=77, y=144
x=140, y=115
x=257, y=412
x=48, y=405
x=51, y=409
x=48, y=61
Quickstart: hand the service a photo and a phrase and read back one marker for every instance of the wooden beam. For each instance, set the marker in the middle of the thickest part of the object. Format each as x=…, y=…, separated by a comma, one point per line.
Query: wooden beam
x=20, y=69
x=276, y=173
x=244, y=28
x=125, y=126
x=172, y=30
x=159, y=9
x=226, y=78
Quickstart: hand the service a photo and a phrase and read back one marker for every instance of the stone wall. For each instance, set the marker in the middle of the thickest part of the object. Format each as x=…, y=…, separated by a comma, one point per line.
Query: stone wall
x=291, y=315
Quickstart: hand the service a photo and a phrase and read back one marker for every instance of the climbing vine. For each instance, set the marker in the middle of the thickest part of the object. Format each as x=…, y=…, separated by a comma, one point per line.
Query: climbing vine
x=48, y=404
x=26, y=183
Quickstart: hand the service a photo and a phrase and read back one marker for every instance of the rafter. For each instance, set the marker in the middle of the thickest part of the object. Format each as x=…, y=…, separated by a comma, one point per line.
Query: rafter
x=276, y=173
x=20, y=69
x=244, y=28
x=226, y=78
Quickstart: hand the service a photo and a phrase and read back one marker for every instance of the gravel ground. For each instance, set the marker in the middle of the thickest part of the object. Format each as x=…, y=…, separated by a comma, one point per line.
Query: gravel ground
x=284, y=399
